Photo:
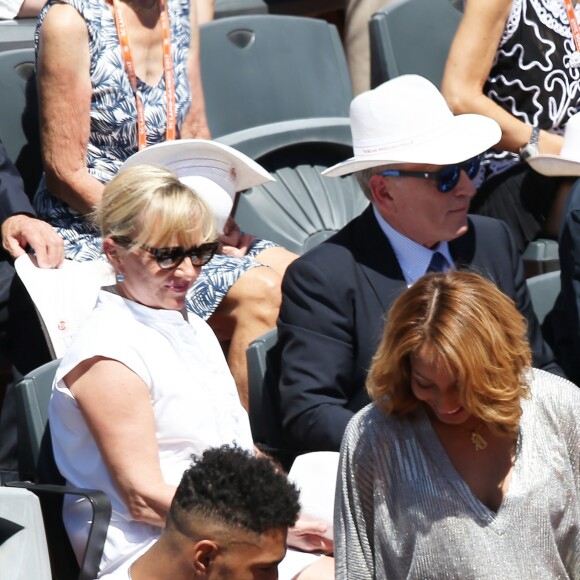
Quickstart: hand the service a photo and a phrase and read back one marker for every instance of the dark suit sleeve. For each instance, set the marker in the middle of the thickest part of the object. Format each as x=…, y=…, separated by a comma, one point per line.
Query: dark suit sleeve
x=543, y=357
x=315, y=339
x=13, y=198
x=562, y=325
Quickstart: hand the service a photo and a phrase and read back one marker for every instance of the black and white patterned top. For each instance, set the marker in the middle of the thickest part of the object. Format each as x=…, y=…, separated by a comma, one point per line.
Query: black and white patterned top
x=531, y=76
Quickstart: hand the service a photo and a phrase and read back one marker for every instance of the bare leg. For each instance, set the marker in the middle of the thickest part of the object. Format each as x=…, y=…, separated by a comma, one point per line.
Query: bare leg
x=277, y=258
x=248, y=310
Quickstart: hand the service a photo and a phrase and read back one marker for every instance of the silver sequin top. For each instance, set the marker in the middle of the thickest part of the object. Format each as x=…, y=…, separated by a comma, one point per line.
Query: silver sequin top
x=403, y=511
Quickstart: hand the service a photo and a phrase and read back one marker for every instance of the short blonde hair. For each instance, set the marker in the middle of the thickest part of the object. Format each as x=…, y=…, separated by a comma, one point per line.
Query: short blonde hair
x=463, y=322
x=149, y=205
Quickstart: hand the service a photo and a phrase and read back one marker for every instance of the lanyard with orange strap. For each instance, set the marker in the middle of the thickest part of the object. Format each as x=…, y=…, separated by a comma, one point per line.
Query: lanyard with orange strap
x=575, y=29
x=167, y=69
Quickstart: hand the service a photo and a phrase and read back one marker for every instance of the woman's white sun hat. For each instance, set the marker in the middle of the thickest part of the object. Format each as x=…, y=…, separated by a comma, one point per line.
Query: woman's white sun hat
x=213, y=170
x=568, y=162
x=406, y=120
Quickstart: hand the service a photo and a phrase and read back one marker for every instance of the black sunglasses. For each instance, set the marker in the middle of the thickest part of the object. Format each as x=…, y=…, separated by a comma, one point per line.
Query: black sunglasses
x=446, y=178
x=171, y=258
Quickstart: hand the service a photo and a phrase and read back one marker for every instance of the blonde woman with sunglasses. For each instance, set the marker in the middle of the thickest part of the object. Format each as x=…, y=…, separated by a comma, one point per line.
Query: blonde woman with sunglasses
x=144, y=385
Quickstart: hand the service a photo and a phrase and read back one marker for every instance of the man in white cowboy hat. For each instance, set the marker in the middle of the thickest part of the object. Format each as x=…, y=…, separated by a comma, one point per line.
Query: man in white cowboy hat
x=414, y=160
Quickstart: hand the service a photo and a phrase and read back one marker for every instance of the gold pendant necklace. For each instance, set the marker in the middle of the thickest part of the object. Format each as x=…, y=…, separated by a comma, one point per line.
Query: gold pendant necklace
x=478, y=440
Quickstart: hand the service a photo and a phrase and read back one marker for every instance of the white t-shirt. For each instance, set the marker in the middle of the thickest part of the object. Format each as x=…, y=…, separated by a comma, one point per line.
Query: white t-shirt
x=194, y=399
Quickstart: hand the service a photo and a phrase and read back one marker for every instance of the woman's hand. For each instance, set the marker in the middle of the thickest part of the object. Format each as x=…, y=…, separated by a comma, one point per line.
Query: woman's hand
x=550, y=143
x=234, y=242
x=310, y=535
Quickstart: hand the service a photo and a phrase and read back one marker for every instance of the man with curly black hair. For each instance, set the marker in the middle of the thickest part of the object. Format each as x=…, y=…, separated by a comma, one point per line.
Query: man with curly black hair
x=228, y=519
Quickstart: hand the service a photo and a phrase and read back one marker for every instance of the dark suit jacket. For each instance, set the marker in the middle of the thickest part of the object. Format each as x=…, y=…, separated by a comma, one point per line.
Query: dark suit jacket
x=13, y=199
x=334, y=302
x=562, y=325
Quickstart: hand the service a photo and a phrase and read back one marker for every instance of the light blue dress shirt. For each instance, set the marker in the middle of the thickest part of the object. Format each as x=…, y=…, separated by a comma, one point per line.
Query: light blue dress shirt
x=413, y=258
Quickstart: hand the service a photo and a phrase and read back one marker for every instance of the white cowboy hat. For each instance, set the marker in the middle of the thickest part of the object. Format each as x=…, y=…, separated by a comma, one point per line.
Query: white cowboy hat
x=568, y=162
x=213, y=170
x=406, y=120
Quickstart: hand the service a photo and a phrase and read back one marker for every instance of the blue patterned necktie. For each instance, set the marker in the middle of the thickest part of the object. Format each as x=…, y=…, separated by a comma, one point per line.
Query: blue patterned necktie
x=438, y=263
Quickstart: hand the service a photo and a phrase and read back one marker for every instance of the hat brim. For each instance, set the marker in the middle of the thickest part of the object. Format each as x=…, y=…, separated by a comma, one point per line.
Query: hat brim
x=554, y=165
x=174, y=156
x=461, y=138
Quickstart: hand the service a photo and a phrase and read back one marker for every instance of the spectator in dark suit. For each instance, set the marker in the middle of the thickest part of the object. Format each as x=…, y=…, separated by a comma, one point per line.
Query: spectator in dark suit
x=414, y=160
x=562, y=325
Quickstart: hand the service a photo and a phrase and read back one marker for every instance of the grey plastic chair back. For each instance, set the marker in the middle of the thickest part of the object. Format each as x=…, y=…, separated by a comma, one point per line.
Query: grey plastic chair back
x=36, y=463
x=412, y=36
x=19, y=114
x=226, y=8
x=32, y=398
x=541, y=256
x=259, y=409
x=302, y=208
x=17, y=33
x=544, y=290
x=265, y=69
x=264, y=411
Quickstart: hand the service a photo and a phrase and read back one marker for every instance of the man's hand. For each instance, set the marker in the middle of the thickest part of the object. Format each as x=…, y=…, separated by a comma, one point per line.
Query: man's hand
x=19, y=231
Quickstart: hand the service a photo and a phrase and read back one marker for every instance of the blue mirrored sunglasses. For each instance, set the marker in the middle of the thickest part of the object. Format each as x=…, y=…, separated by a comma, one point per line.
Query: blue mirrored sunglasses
x=446, y=179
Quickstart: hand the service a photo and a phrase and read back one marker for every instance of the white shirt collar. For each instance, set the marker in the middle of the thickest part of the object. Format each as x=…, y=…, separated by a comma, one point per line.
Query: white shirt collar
x=413, y=258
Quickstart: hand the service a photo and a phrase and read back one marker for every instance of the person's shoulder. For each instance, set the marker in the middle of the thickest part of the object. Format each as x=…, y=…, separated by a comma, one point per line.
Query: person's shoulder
x=487, y=224
x=339, y=246
x=368, y=423
x=109, y=317
x=490, y=236
x=553, y=397
x=371, y=436
x=63, y=20
x=66, y=14
x=542, y=379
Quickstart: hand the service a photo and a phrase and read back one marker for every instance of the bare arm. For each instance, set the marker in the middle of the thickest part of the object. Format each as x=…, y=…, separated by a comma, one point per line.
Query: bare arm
x=205, y=11
x=195, y=123
x=30, y=8
x=116, y=406
x=468, y=66
x=64, y=88
x=19, y=231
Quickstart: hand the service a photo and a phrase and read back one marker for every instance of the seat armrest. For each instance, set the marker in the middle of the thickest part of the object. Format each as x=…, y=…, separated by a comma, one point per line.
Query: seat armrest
x=101, y=506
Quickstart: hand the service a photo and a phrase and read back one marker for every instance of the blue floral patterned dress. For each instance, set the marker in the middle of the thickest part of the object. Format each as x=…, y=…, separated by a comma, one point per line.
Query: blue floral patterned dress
x=113, y=138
